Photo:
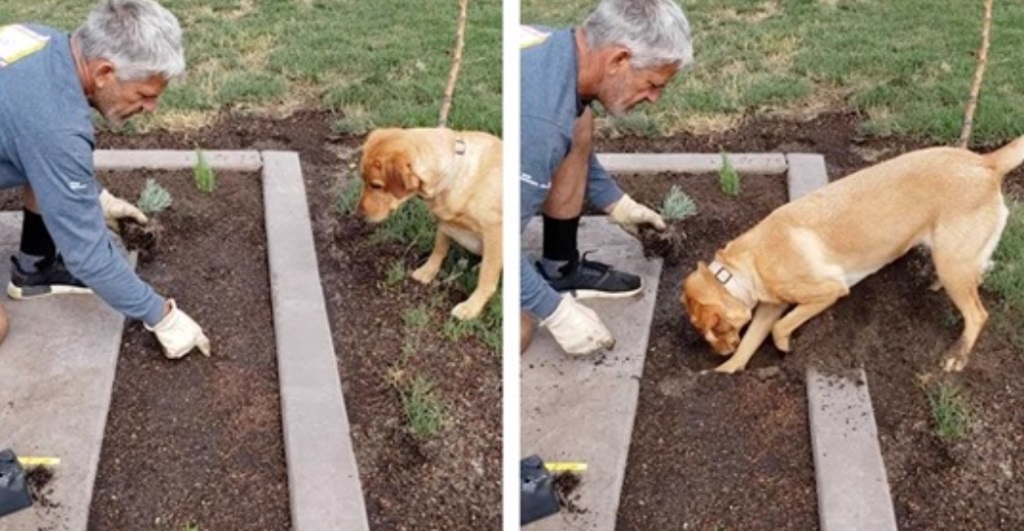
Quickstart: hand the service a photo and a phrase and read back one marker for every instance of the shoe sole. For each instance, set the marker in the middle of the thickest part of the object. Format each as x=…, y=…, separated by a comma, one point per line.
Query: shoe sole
x=35, y=292
x=581, y=294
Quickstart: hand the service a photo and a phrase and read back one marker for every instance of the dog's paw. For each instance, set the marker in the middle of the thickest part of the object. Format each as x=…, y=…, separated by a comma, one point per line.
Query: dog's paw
x=935, y=286
x=424, y=275
x=954, y=363
x=781, y=341
x=466, y=310
x=728, y=368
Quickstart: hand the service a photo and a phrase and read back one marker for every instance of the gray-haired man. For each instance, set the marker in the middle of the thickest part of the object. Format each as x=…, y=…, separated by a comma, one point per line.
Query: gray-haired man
x=624, y=54
x=118, y=62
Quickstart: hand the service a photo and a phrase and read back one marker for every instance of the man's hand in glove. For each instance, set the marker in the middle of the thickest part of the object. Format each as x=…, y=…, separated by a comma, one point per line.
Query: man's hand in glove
x=179, y=334
x=578, y=329
x=629, y=214
x=115, y=208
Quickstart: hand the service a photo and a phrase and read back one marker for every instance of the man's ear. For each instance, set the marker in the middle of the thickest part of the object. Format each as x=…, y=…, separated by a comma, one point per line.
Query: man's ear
x=618, y=59
x=102, y=73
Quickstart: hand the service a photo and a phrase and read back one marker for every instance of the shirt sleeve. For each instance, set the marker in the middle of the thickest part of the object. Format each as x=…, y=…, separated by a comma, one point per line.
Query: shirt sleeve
x=542, y=149
x=59, y=168
x=602, y=190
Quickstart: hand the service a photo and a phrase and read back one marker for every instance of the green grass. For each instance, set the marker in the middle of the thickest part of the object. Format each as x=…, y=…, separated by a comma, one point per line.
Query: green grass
x=677, y=205
x=202, y=173
x=382, y=63
x=1007, y=277
x=416, y=318
x=728, y=178
x=424, y=411
x=395, y=273
x=412, y=225
x=906, y=65
x=154, y=198
x=949, y=410
x=348, y=197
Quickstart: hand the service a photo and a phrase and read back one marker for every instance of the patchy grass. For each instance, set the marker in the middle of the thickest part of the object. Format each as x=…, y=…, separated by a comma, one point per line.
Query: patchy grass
x=1007, y=277
x=375, y=63
x=424, y=411
x=949, y=410
x=412, y=225
x=348, y=197
x=906, y=65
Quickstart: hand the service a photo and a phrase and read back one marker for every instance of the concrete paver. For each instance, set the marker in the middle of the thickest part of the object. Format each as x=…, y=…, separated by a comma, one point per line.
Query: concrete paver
x=323, y=479
x=138, y=159
x=582, y=409
x=759, y=163
x=57, y=368
x=853, y=492
x=806, y=173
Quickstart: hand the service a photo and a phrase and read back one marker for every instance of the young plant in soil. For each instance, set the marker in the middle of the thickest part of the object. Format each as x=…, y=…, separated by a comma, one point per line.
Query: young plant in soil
x=668, y=244
x=153, y=200
x=729, y=178
x=423, y=409
x=206, y=179
x=949, y=410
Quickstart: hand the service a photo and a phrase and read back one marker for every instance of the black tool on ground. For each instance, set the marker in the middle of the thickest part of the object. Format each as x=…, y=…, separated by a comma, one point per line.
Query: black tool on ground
x=14, y=495
x=537, y=491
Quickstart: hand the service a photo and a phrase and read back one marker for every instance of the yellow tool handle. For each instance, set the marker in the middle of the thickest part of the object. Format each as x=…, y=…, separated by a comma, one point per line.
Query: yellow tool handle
x=565, y=466
x=39, y=461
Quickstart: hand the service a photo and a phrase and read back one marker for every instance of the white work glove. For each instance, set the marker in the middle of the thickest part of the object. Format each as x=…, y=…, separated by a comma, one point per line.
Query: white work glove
x=630, y=215
x=578, y=329
x=179, y=334
x=115, y=208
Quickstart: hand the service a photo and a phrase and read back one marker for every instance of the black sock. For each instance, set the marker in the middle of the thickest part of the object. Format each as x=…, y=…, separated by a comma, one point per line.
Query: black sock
x=560, y=246
x=35, y=239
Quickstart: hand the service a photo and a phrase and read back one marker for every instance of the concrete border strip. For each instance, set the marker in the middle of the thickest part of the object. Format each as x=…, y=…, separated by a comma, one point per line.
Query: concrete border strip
x=807, y=173
x=128, y=159
x=759, y=163
x=323, y=479
x=853, y=492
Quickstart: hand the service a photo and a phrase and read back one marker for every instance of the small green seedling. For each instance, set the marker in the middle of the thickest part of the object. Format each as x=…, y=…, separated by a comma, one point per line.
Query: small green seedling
x=728, y=178
x=205, y=179
x=396, y=273
x=677, y=205
x=950, y=411
x=154, y=198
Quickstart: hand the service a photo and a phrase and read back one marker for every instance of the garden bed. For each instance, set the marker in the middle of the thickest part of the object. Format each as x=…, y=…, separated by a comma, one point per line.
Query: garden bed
x=890, y=324
x=198, y=441
x=391, y=336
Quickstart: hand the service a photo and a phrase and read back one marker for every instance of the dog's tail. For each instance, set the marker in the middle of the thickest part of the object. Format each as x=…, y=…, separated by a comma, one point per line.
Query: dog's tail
x=1006, y=158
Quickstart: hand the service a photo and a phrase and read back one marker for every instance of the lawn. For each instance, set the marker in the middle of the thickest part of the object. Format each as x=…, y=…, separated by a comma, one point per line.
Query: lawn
x=906, y=65
x=372, y=62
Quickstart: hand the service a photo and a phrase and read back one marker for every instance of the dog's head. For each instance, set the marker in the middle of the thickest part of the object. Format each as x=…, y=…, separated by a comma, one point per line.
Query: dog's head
x=387, y=171
x=717, y=315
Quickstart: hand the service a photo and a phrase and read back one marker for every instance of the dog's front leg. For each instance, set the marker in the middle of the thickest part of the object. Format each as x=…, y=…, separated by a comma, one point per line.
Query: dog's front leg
x=426, y=273
x=765, y=317
x=800, y=315
x=487, y=283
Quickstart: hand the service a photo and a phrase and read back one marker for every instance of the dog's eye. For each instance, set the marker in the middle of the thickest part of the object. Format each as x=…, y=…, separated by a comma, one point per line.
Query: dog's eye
x=377, y=186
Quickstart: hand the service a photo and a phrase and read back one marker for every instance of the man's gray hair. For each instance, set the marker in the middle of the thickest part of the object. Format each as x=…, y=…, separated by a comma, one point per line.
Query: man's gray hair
x=656, y=32
x=140, y=37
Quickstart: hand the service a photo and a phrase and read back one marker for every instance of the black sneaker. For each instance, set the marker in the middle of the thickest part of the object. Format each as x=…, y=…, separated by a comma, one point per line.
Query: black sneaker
x=51, y=278
x=586, y=279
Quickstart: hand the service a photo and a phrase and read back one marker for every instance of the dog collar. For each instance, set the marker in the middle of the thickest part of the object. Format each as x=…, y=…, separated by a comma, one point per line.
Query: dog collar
x=735, y=285
x=460, y=146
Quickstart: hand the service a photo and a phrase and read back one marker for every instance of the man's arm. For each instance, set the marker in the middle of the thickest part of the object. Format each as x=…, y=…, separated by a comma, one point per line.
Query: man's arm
x=602, y=190
x=60, y=171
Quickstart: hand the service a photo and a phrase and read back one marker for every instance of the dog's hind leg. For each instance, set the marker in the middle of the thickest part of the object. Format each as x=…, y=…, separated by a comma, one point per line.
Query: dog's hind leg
x=487, y=283
x=425, y=273
x=765, y=316
x=962, y=286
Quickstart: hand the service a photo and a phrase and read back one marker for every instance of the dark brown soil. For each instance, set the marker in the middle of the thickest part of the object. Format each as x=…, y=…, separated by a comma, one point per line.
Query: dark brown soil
x=38, y=479
x=732, y=452
x=198, y=441
x=451, y=480
x=565, y=491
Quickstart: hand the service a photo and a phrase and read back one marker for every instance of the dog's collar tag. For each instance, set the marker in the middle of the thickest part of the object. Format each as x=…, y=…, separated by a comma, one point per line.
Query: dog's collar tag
x=460, y=146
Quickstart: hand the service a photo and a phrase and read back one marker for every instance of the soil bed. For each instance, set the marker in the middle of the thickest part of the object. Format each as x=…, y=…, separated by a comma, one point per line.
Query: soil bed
x=734, y=451
x=198, y=441
x=451, y=480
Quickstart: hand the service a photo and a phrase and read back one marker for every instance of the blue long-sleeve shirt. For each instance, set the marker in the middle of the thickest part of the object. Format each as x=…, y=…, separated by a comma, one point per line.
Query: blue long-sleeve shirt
x=550, y=106
x=46, y=142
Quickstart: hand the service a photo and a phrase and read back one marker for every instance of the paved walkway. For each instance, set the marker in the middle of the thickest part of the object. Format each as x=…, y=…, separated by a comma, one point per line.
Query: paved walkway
x=582, y=409
x=57, y=367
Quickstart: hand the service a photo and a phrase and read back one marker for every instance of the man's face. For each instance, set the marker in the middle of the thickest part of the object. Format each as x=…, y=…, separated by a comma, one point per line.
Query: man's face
x=625, y=87
x=119, y=100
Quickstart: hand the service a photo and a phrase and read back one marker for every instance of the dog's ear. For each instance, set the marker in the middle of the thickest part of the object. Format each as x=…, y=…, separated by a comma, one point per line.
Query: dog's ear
x=400, y=180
